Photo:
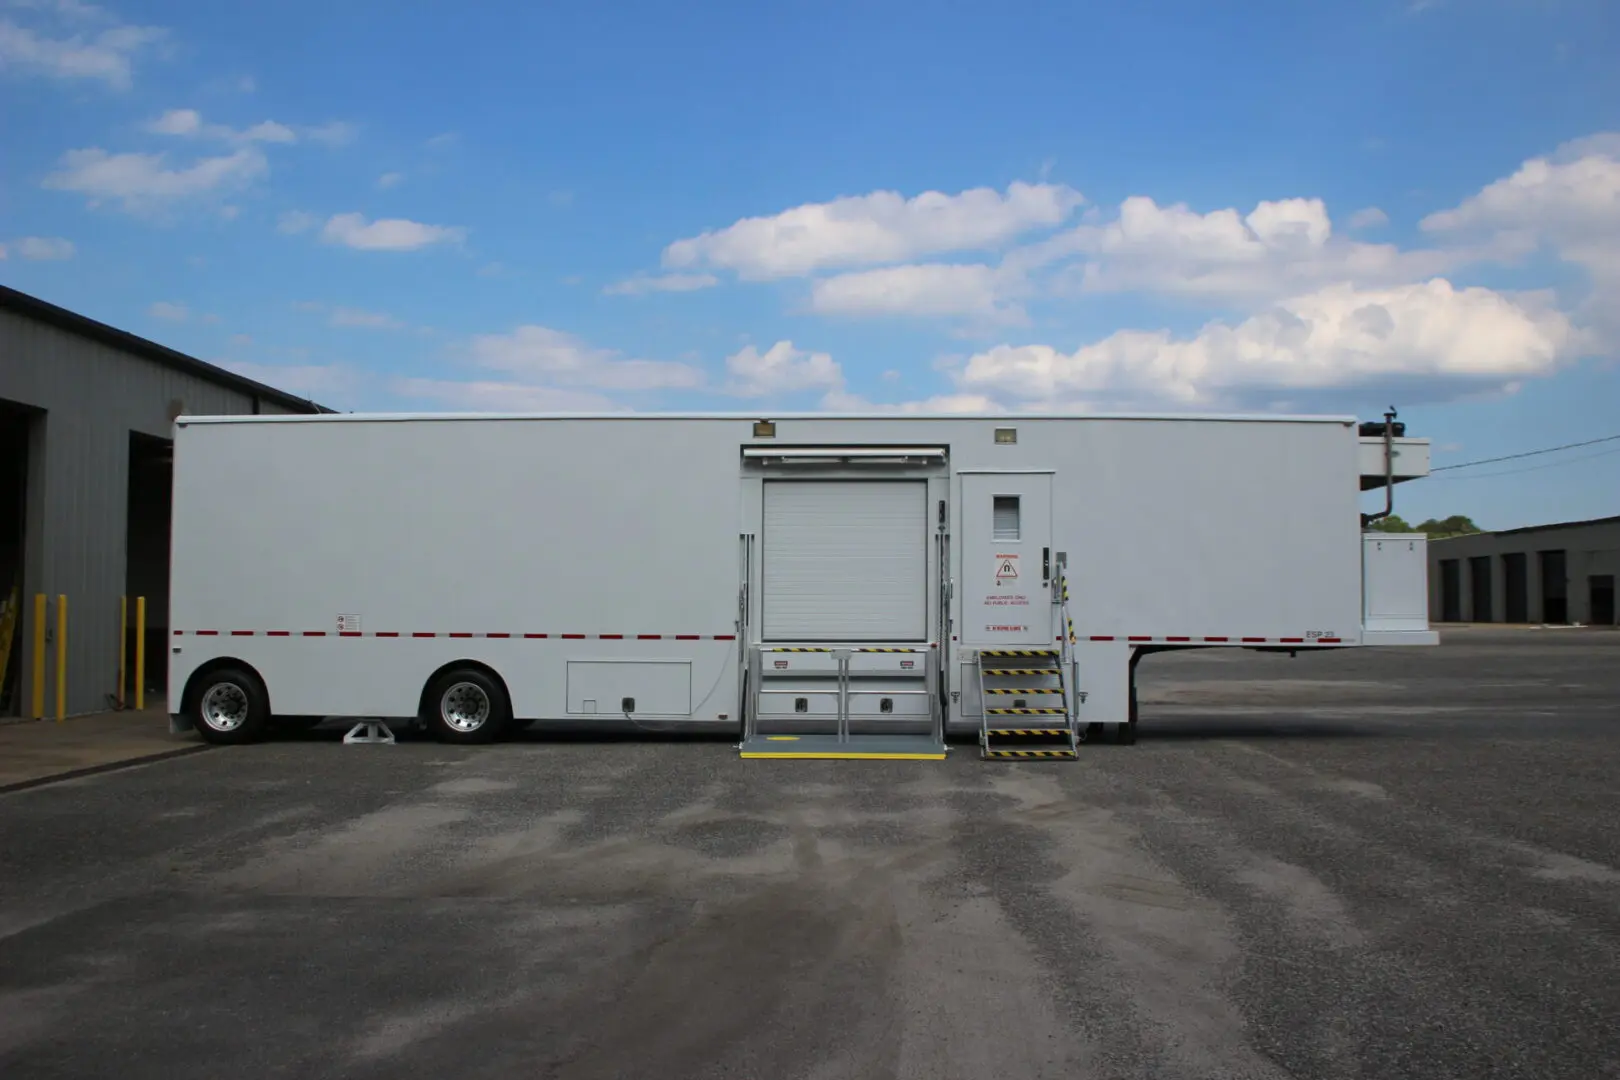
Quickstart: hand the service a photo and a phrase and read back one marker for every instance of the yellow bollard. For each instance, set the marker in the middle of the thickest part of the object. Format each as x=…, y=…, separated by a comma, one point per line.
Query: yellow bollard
x=38, y=709
x=61, y=658
x=123, y=646
x=140, y=652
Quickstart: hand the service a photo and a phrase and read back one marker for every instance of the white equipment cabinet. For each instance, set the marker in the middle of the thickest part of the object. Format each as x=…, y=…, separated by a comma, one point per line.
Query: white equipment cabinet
x=824, y=585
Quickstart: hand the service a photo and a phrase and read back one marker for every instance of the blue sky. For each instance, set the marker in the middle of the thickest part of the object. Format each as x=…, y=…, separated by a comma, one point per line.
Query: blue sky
x=1162, y=205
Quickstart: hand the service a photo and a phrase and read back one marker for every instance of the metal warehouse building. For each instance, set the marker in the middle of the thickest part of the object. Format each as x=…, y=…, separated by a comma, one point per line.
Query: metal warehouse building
x=1562, y=573
x=86, y=413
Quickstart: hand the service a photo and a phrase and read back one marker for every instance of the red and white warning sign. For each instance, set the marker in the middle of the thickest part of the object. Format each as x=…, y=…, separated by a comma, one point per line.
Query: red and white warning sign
x=1006, y=567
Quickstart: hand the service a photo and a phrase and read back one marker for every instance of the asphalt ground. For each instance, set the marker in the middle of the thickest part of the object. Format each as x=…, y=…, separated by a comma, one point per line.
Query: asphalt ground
x=1362, y=864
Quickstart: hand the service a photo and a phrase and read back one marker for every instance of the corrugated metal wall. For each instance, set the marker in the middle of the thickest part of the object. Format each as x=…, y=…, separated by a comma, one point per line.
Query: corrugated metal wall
x=94, y=396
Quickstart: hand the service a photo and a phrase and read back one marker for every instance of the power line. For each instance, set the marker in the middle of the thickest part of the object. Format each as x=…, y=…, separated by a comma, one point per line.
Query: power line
x=1535, y=468
x=1527, y=453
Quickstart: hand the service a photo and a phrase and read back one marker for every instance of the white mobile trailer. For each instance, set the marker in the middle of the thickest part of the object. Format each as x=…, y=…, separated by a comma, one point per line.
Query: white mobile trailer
x=824, y=585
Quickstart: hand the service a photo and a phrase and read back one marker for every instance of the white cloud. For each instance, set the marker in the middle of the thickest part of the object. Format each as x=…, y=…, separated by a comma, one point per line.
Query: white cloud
x=1438, y=339
x=781, y=369
x=296, y=221
x=643, y=283
x=364, y=320
x=107, y=55
x=39, y=248
x=390, y=179
x=929, y=289
x=169, y=312
x=541, y=356
x=352, y=318
x=882, y=227
x=1368, y=217
x=1275, y=250
x=189, y=123
x=268, y=131
x=443, y=141
x=1567, y=201
x=176, y=122
x=1570, y=199
x=387, y=234
x=142, y=182
x=335, y=133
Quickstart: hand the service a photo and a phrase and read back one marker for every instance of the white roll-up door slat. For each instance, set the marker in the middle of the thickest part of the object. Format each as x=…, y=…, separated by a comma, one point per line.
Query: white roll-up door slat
x=845, y=560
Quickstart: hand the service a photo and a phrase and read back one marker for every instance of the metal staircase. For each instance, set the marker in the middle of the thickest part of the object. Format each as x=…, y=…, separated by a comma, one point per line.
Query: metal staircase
x=1027, y=708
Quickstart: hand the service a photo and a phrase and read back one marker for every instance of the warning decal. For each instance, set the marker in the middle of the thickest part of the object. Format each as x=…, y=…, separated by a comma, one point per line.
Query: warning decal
x=1006, y=567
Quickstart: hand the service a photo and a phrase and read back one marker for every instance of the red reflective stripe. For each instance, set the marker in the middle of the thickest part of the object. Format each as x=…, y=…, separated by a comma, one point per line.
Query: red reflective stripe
x=177, y=633
x=1178, y=639
x=1102, y=637
x=1327, y=641
x=1217, y=639
x=1292, y=640
x=1139, y=639
x=496, y=634
x=1254, y=639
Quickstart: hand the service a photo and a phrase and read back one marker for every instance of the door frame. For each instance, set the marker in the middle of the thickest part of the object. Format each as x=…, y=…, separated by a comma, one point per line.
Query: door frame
x=962, y=603
x=939, y=487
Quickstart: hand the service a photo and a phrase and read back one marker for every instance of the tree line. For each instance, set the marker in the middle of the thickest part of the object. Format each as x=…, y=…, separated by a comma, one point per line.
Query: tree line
x=1434, y=528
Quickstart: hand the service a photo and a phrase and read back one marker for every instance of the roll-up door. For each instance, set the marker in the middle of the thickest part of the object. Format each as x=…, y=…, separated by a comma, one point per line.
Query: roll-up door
x=845, y=560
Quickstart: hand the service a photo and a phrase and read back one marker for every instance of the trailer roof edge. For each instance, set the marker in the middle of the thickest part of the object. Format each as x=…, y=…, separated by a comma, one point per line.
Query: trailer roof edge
x=396, y=417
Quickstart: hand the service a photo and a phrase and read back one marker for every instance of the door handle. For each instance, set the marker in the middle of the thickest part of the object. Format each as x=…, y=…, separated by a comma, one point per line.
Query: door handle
x=1046, y=564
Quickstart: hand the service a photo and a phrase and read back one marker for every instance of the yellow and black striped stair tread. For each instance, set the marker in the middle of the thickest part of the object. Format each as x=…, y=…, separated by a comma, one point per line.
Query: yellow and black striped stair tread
x=1024, y=690
x=1049, y=653
x=1026, y=712
x=999, y=752
x=1020, y=671
x=1050, y=731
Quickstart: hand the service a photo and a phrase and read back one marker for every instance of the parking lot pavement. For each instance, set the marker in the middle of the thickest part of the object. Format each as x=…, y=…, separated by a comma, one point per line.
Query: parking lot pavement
x=39, y=751
x=1359, y=864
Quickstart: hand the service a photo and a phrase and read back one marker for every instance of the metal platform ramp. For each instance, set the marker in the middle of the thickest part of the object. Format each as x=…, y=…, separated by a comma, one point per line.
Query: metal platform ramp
x=843, y=701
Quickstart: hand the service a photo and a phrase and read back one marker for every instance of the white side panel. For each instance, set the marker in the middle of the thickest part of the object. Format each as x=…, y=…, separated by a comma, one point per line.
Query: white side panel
x=1395, y=581
x=572, y=530
x=845, y=560
x=1411, y=459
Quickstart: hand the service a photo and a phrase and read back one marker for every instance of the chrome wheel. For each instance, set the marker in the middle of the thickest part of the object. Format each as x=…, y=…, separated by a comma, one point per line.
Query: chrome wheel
x=465, y=706
x=224, y=707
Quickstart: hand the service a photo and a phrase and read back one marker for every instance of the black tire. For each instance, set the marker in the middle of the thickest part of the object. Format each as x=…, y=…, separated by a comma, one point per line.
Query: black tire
x=229, y=707
x=466, y=705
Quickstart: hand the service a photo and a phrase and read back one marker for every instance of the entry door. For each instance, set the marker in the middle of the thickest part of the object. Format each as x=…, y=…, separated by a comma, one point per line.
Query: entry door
x=1006, y=559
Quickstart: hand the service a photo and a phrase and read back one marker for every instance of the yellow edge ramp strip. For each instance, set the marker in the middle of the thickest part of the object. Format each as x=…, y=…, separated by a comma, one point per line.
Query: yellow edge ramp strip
x=838, y=756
